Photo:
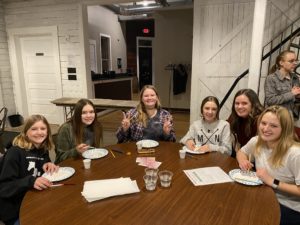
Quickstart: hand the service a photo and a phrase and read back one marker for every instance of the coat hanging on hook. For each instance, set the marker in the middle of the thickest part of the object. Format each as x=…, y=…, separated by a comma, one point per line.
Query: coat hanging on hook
x=180, y=77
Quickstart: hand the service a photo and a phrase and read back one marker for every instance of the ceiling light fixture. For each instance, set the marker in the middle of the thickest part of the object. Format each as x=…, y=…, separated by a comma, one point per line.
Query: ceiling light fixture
x=145, y=3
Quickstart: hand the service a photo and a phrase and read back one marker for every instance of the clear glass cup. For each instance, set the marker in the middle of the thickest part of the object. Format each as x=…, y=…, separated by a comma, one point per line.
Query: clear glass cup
x=165, y=177
x=150, y=182
x=151, y=171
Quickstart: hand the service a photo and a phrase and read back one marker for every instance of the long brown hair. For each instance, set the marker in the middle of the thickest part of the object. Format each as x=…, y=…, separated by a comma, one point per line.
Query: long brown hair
x=256, y=109
x=286, y=139
x=22, y=140
x=279, y=58
x=78, y=126
x=142, y=114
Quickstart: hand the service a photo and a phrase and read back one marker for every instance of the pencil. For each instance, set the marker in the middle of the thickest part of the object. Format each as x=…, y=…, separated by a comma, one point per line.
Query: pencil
x=61, y=184
x=191, y=156
x=117, y=150
x=112, y=153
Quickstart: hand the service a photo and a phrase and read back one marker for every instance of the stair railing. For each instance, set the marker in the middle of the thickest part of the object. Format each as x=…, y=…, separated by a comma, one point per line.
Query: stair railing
x=266, y=56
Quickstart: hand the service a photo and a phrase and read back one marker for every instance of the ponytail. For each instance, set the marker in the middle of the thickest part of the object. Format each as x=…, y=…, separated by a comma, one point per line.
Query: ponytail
x=279, y=58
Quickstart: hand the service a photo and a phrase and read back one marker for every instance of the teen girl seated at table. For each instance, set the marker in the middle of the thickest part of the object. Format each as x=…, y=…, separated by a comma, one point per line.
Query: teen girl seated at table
x=147, y=121
x=246, y=108
x=209, y=133
x=277, y=160
x=22, y=167
x=79, y=133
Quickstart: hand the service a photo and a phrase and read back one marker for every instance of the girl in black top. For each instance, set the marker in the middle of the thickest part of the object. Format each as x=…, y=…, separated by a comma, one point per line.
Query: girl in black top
x=23, y=165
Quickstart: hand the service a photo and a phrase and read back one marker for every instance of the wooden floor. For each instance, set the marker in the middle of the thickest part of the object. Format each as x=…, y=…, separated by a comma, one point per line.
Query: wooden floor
x=112, y=121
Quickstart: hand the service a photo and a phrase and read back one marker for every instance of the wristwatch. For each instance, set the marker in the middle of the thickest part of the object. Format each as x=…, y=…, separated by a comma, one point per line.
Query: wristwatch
x=275, y=184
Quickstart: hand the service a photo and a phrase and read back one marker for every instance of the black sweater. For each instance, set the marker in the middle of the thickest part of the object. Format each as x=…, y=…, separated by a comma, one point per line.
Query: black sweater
x=19, y=172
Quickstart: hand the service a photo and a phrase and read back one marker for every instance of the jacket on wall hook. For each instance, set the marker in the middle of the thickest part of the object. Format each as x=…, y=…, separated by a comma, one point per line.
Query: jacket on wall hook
x=180, y=77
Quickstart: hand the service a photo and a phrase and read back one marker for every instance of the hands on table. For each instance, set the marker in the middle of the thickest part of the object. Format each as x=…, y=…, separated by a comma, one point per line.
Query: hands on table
x=190, y=144
x=42, y=183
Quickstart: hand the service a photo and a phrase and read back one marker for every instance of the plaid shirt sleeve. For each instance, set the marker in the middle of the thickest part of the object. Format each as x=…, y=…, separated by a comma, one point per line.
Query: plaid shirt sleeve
x=163, y=115
x=135, y=131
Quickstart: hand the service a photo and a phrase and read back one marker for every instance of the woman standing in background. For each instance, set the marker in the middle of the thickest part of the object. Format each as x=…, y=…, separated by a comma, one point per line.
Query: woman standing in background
x=282, y=86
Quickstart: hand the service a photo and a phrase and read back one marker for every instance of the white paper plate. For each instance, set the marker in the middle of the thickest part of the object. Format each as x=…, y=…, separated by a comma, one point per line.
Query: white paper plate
x=62, y=174
x=148, y=143
x=95, y=153
x=250, y=179
x=192, y=151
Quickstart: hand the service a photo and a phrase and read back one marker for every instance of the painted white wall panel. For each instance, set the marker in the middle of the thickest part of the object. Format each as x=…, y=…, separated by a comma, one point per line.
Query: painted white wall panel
x=6, y=85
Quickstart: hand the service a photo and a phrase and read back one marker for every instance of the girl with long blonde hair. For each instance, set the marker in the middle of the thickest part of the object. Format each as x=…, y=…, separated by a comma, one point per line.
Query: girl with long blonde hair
x=147, y=121
x=277, y=160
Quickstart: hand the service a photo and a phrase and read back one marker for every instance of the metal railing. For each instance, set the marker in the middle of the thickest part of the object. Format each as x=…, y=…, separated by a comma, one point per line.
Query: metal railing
x=268, y=55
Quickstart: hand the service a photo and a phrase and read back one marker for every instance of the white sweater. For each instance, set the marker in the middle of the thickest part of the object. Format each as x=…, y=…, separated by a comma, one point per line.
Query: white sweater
x=216, y=135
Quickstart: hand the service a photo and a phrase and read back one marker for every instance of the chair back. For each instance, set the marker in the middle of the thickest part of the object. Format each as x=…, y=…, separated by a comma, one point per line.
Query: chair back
x=3, y=115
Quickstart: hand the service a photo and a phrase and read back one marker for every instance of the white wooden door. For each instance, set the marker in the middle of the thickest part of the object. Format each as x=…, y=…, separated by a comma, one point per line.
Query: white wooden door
x=40, y=77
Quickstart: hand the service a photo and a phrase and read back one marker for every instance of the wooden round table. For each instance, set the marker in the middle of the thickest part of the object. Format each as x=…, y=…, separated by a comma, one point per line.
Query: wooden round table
x=182, y=203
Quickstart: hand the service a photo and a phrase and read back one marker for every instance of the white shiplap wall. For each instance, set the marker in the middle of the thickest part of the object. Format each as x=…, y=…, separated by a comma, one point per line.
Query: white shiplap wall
x=66, y=16
x=6, y=90
x=221, y=49
x=221, y=45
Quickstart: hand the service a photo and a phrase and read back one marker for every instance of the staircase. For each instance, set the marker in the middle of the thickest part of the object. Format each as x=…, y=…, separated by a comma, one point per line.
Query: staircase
x=287, y=39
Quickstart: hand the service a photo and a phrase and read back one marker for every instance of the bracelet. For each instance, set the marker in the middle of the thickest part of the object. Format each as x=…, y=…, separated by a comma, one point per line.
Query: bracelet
x=275, y=184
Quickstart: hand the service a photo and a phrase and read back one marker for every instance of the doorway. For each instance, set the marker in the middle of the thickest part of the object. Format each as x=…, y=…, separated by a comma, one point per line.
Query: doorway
x=145, y=61
x=36, y=70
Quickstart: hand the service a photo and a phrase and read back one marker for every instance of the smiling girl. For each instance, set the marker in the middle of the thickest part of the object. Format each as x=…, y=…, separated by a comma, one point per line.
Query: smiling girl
x=246, y=108
x=147, y=121
x=23, y=165
x=79, y=133
x=282, y=86
x=210, y=133
x=277, y=160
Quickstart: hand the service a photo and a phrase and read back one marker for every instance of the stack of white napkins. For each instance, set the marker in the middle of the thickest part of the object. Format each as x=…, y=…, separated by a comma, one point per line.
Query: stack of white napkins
x=99, y=189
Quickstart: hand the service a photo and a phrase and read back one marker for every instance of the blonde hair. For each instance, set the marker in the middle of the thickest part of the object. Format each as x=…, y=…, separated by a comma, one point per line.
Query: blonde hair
x=286, y=139
x=141, y=109
x=22, y=140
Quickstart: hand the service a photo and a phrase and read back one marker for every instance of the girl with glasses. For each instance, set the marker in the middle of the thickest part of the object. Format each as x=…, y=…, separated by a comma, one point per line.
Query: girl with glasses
x=282, y=86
